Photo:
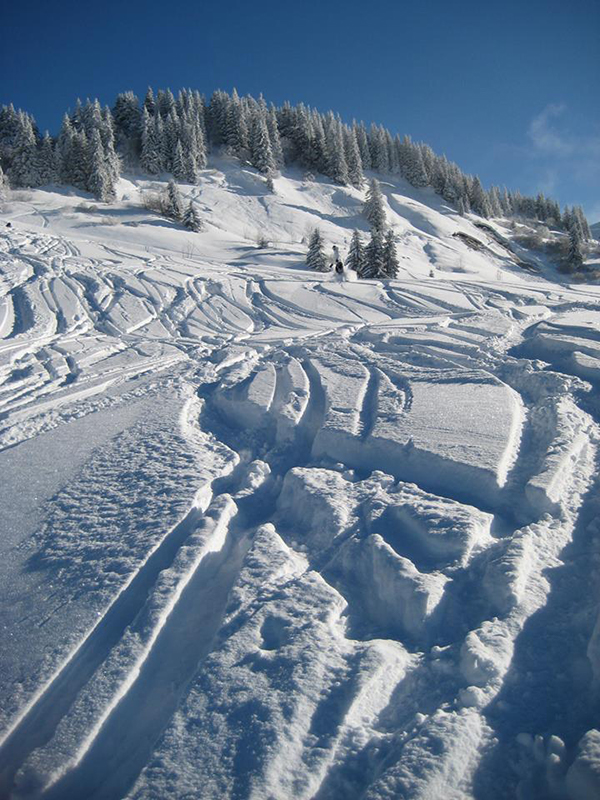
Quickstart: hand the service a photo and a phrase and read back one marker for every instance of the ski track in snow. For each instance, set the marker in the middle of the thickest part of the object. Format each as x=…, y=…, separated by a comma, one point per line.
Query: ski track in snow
x=341, y=556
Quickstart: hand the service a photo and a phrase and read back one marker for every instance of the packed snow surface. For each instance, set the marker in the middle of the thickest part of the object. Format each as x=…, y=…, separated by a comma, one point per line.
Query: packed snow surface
x=268, y=534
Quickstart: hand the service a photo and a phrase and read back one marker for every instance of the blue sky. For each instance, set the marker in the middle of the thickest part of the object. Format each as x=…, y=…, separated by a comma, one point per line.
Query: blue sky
x=509, y=91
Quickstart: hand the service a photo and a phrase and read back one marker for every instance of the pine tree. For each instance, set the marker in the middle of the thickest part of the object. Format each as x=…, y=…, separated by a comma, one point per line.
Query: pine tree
x=356, y=254
x=100, y=182
x=151, y=155
x=179, y=170
x=175, y=203
x=22, y=167
x=79, y=164
x=353, y=159
x=363, y=145
x=191, y=220
x=374, y=257
x=191, y=168
x=47, y=164
x=373, y=207
x=390, y=258
x=275, y=138
x=337, y=168
x=261, y=155
x=576, y=253
x=315, y=258
x=413, y=166
x=237, y=126
x=478, y=198
x=149, y=102
x=127, y=118
x=583, y=223
x=495, y=201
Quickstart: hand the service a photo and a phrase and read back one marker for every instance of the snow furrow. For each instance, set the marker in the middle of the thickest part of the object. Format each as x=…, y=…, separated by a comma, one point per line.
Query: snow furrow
x=39, y=721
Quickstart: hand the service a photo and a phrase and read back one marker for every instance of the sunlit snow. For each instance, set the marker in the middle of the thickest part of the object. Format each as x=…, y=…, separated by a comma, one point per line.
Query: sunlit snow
x=269, y=534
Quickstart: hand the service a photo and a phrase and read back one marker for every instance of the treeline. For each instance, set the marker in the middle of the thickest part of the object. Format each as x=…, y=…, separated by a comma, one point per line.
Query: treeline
x=164, y=133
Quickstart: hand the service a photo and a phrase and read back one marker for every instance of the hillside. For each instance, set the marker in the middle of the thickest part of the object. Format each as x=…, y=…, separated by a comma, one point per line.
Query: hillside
x=271, y=534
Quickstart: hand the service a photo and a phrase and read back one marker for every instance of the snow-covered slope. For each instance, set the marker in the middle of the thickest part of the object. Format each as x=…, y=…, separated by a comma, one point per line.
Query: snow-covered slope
x=270, y=535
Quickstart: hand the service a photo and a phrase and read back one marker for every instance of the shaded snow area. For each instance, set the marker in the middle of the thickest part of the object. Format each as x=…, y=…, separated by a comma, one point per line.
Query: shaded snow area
x=270, y=535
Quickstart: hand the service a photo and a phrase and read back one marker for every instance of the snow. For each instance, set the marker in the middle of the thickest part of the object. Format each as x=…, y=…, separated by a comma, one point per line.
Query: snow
x=267, y=533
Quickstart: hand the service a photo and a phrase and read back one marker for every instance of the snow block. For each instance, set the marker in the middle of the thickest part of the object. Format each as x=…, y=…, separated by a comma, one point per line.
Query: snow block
x=458, y=435
x=345, y=385
x=583, y=777
x=396, y=596
x=246, y=404
x=486, y=653
x=314, y=501
x=294, y=395
x=439, y=757
x=435, y=529
x=505, y=577
x=546, y=489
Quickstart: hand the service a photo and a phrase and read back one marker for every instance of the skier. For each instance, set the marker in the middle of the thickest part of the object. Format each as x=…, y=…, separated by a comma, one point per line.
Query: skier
x=339, y=270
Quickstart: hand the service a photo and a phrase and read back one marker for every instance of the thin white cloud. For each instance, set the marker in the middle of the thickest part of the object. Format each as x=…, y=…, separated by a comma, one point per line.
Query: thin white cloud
x=545, y=136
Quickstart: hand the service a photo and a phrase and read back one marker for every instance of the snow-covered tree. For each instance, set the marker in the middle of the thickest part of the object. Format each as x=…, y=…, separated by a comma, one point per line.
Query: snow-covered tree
x=374, y=256
x=150, y=102
x=478, y=199
x=23, y=163
x=64, y=146
x=79, y=164
x=363, y=145
x=191, y=220
x=151, y=155
x=356, y=254
x=175, y=203
x=581, y=219
x=47, y=165
x=353, y=159
x=495, y=203
x=576, y=252
x=413, y=166
x=236, y=133
x=275, y=138
x=127, y=118
x=179, y=168
x=100, y=182
x=337, y=168
x=315, y=258
x=373, y=206
x=261, y=154
x=390, y=257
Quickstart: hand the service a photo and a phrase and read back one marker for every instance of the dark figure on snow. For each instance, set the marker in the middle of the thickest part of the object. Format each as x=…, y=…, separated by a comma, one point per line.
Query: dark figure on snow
x=9, y=224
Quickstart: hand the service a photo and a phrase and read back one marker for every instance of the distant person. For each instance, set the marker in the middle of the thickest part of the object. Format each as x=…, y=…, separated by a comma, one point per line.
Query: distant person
x=339, y=270
x=9, y=224
x=336, y=257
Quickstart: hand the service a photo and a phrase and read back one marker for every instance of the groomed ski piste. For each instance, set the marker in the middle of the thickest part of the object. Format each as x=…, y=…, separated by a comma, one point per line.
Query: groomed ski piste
x=271, y=535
